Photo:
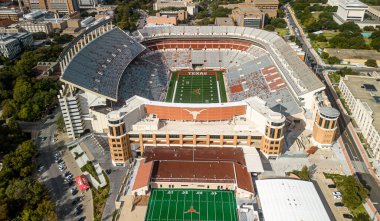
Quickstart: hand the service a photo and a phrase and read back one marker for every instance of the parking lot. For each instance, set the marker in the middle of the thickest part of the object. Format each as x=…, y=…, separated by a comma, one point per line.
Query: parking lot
x=57, y=170
x=333, y=199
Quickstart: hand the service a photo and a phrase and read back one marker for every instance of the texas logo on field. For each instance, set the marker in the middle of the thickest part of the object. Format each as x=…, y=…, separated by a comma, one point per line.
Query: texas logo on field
x=191, y=210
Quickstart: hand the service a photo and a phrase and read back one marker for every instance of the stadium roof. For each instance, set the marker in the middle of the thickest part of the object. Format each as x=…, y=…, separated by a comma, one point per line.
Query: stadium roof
x=288, y=199
x=99, y=66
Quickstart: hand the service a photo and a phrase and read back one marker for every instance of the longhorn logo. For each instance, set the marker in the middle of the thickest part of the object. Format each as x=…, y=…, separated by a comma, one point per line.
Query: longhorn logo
x=194, y=113
x=191, y=210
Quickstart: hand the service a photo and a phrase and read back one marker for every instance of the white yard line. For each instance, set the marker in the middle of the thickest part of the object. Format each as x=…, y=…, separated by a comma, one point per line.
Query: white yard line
x=217, y=88
x=175, y=90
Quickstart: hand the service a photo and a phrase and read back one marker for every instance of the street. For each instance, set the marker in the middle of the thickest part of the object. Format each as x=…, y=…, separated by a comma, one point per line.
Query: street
x=362, y=172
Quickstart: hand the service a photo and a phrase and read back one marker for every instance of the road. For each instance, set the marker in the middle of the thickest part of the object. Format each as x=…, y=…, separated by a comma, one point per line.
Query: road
x=362, y=172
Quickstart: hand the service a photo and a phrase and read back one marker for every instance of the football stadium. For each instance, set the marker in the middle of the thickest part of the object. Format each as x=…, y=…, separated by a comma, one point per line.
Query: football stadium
x=190, y=109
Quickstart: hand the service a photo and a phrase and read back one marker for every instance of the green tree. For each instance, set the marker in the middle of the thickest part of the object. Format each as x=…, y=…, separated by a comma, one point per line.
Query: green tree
x=324, y=55
x=304, y=173
x=60, y=123
x=333, y=60
x=375, y=44
x=371, y=63
x=269, y=27
x=22, y=91
x=369, y=28
x=39, y=35
x=278, y=23
x=350, y=27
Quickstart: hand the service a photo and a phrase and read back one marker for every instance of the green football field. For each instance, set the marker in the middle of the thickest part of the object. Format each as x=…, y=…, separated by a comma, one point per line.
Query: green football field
x=191, y=204
x=201, y=87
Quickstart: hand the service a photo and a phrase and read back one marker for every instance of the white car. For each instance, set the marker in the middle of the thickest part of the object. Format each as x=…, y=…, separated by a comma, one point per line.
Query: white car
x=337, y=197
x=337, y=193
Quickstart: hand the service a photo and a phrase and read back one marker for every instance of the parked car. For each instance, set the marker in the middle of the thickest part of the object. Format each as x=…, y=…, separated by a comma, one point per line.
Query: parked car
x=331, y=186
x=40, y=168
x=78, y=212
x=82, y=218
x=339, y=204
x=348, y=216
x=337, y=197
x=73, y=190
x=75, y=201
x=337, y=193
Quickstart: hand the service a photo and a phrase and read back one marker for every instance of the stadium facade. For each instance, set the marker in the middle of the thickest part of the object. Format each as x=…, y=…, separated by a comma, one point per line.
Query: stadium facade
x=117, y=84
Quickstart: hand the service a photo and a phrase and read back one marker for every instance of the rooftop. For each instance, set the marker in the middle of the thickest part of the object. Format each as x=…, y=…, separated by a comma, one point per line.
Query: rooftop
x=195, y=154
x=99, y=65
x=143, y=175
x=223, y=21
x=202, y=172
x=288, y=199
x=353, y=54
x=354, y=84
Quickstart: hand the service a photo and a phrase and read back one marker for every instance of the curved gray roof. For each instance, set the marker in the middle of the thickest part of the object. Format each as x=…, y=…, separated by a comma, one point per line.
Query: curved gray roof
x=329, y=112
x=99, y=66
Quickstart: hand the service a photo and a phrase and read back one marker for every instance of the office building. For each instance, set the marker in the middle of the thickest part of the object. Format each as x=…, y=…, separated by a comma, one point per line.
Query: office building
x=268, y=7
x=12, y=44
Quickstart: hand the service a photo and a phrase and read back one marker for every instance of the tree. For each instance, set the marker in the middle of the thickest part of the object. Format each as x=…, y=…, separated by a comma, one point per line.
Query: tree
x=22, y=91
x=375, y=44
x=60, y=124
x=304, y=174
x=333, y=60
x=63, y=39
x=324, y=55
x=371, y=63
x=350, y=27
x=369, y=28
x=39, y=35
x=269, y=27
x=278, y=23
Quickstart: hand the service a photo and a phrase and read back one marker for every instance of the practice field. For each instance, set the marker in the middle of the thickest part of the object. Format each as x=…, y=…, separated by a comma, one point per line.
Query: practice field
x=190, y=204
x=196, y=87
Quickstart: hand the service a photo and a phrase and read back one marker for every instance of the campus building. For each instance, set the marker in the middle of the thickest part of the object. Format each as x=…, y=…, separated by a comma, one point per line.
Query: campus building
x=268, y=7
x=12, y=44
x=350, y=10
x=362, y=98
x=247, y=15
x=290, y=199
x=59, y=6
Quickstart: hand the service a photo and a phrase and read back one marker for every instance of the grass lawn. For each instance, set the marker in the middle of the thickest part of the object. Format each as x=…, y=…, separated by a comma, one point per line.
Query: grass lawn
x=190, y=204
x=282, y=31
x=330, y=34
x=91, y=170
